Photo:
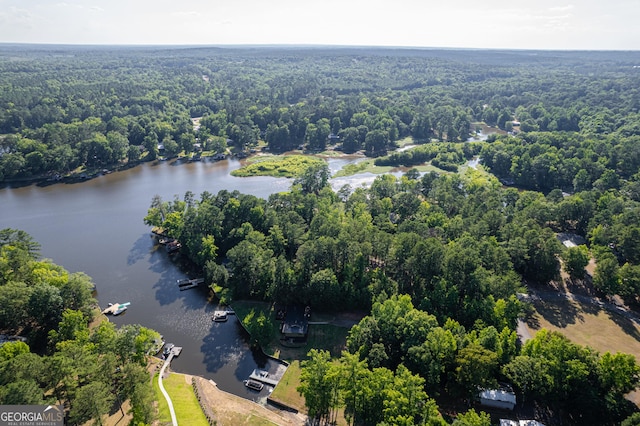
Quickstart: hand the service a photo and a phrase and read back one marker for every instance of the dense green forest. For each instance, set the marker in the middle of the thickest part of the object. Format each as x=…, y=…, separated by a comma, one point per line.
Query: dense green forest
x=59, y=359
x=67, y=109
x=437, y=259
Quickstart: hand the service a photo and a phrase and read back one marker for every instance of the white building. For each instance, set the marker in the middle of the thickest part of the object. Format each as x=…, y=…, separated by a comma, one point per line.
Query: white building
x=504, y=422
x=498, y=399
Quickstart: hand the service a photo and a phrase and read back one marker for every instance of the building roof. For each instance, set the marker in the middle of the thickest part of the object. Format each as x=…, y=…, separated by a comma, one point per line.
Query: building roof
x=505, y=422
x=498, y=395
x=295, y=321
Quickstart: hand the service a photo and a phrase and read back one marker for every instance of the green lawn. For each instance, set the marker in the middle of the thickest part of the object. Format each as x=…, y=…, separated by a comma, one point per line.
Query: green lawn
x=328, y=337
x=286, y=392
x=185, y=403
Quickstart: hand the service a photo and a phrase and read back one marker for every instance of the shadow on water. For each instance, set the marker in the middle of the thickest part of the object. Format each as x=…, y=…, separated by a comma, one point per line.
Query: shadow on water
x=225, y=344
x=166, y=287
x=140, y=250
x=229, y=358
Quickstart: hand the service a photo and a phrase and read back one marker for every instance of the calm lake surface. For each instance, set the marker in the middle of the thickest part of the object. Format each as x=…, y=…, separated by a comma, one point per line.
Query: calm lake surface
x=97, y=227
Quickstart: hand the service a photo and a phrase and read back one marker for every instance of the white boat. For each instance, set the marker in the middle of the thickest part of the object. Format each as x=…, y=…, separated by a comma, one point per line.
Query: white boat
x=219, y=316
x=167, y=349
x=254, y=385
x=120, y=310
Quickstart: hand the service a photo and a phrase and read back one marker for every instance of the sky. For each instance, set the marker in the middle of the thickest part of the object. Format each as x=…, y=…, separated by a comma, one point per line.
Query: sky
x=515, y=24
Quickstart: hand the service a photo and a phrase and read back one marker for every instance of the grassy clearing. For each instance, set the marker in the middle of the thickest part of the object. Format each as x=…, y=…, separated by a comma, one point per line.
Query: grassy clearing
x=286, y=391
x=587, y=325
x=365, y=166
x=289, y=166
x=328, y=337
x=184, y=400
x=405, y=141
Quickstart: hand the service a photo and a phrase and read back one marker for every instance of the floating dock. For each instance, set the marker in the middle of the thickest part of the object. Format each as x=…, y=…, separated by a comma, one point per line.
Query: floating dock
x=116, y=308
x=262, y=376
x=186, y=284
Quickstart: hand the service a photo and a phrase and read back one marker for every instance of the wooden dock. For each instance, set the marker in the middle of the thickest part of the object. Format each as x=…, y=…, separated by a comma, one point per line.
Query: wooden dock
x=112, y=308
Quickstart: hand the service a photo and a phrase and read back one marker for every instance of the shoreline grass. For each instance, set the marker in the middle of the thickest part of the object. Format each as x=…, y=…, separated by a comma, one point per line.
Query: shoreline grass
x=289, y=166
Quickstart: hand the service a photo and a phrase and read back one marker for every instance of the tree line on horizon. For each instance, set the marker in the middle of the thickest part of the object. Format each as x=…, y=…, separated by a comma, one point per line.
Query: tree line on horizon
x=90, y=110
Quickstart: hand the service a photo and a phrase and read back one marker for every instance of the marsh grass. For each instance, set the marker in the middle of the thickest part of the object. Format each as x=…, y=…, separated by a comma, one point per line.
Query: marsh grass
x=289, y=166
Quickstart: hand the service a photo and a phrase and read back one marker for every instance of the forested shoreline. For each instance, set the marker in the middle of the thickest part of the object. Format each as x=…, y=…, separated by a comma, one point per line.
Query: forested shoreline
x=68, y=109
x=59, y=356
x=436, y=258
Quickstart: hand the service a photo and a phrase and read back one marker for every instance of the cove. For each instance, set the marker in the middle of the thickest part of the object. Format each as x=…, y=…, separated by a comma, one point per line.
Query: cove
x=96, y=227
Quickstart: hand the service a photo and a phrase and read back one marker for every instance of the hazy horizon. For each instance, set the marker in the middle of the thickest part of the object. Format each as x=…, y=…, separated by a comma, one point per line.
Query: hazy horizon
x=457, y=24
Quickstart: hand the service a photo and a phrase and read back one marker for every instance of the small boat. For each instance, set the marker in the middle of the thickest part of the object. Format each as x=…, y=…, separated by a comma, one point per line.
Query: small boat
x=254, y=385
x=219, y=316
x=173, y=246
x=120, y=310
x=167, y=349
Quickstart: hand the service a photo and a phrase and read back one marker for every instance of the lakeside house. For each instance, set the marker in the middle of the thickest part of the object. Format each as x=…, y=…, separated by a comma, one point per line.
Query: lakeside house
x=296, y=322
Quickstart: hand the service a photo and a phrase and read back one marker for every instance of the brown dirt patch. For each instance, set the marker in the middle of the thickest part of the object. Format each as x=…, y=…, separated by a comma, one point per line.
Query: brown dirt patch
x=229, y=408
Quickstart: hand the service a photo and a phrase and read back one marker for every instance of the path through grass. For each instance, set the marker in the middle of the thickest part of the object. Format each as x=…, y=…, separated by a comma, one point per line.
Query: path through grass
x=185, y=403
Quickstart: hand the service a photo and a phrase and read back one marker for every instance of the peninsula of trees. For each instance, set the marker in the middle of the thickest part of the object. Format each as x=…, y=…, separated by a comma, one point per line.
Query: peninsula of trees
x=437, y=257
x=57, y=358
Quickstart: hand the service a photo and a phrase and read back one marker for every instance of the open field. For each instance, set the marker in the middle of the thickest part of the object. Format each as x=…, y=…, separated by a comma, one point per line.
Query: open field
x=587, y=324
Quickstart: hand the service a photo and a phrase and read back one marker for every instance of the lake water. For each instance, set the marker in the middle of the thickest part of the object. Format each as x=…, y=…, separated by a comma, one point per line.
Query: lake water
x=96, y=226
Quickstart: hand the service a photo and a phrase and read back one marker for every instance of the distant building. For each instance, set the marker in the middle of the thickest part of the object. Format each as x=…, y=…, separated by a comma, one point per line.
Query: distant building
x=495, y=398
